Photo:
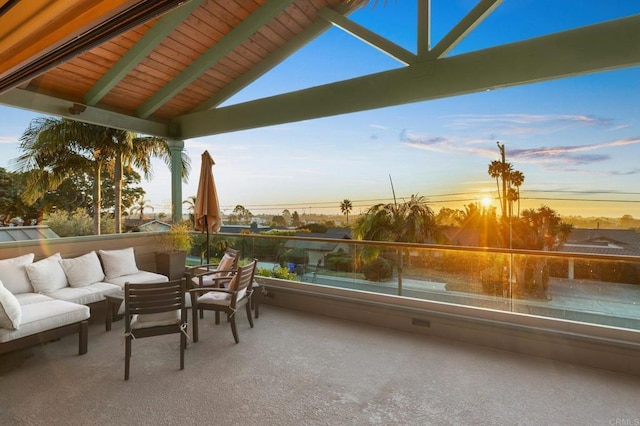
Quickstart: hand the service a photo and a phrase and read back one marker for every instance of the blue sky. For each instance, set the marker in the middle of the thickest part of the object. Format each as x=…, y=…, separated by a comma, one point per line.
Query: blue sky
x=575, y=138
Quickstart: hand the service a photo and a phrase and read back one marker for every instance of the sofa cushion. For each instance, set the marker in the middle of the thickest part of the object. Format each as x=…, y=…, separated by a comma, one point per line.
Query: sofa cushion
x=118, y=263
x=29, y=298
x=139, y=277
x=46, y=315
x=83, y=270
x=14, y=275
x=10, y=312
x=84, y=295
x=47, y=275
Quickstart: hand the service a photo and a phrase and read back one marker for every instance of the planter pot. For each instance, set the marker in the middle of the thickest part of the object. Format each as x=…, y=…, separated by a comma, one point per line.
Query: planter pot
x=171, y=264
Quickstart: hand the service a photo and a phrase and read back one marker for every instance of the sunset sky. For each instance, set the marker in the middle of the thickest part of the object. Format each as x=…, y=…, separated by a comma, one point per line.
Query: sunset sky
x=576, y=140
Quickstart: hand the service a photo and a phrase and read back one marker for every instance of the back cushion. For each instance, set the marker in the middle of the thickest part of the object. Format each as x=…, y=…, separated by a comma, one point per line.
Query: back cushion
x=83, y=270
x=118, y=263
x=226, y=263
x=14, y=274
x=46, y=275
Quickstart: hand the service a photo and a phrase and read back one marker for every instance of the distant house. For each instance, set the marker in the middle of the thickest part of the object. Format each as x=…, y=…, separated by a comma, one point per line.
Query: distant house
x=154, y=225
x=23, y=233
x=317, y=250
x=622, y=242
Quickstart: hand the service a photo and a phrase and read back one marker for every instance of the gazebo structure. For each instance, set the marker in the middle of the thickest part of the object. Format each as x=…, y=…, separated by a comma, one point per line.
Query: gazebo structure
x=164, y=67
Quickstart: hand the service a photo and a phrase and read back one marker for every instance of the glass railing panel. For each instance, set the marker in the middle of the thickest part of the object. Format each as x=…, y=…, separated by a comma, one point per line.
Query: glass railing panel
x=591, y=289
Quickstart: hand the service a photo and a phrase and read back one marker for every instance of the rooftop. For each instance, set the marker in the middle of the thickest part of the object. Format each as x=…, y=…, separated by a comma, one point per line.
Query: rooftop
x=301, y=368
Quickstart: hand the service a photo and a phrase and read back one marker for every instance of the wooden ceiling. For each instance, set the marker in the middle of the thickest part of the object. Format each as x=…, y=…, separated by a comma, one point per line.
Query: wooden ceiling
x=163, y=67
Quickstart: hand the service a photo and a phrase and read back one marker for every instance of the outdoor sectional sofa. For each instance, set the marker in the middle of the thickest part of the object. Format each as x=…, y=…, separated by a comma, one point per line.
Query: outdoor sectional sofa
x=44, y=300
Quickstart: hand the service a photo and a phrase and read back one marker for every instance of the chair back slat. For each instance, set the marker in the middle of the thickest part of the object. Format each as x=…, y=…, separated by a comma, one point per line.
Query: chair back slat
x=244, y=277
x=149, y=298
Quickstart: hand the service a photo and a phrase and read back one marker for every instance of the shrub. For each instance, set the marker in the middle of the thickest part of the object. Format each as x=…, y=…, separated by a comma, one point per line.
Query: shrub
x=339, y=261
x=277, y=272
x=296, y=255
x=379, y=270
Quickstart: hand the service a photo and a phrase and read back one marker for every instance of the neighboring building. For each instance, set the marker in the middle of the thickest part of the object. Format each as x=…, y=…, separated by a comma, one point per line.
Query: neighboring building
x=622, y=242
x=317, y=250
x=145, y=225
x=23, y=233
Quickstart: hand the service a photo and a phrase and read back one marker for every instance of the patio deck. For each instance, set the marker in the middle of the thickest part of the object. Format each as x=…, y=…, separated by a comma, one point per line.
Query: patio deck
x=298, y=368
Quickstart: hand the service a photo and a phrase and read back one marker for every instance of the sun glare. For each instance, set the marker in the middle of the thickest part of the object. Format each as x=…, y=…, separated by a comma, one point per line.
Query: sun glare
x=486, y=202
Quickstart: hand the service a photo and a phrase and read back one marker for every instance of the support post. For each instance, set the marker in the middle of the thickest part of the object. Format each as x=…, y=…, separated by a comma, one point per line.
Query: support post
x=176, y=146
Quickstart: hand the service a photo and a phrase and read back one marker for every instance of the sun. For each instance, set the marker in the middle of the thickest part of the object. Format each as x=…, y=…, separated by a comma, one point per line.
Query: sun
x=486, y=202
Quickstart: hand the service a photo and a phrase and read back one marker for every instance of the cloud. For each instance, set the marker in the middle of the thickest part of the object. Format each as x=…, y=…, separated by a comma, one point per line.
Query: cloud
x=569, y=155
x=8, y=140
x=522, y=124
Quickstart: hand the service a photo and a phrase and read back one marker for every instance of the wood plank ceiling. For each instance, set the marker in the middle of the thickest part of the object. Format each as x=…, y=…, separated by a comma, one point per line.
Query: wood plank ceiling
x=170, y=65
x=163, y=67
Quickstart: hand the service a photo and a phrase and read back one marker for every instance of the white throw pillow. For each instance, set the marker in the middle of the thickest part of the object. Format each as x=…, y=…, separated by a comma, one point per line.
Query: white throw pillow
x=118, y=263
x=10, y=312
x=83, y=270
x=47, y=275
x=14, y=274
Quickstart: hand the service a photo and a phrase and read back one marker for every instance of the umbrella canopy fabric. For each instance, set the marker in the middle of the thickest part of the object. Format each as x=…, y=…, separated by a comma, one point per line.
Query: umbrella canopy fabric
x=207, y=208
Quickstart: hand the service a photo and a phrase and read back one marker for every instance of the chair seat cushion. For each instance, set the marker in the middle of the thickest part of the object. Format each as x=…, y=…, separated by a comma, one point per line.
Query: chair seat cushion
x=219, y=298
x=155, y=320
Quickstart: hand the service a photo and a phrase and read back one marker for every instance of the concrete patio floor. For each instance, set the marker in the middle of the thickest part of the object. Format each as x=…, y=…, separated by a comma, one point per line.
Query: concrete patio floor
x=296, y=368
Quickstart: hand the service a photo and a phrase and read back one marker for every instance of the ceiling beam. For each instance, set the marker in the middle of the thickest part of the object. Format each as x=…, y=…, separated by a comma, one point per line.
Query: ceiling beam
x=137, y=53
x=385, y=46
x=606, y=46
x=45, y=104
x=424, y=28
x=269, y=62
x=234, y=38
x=464, y=27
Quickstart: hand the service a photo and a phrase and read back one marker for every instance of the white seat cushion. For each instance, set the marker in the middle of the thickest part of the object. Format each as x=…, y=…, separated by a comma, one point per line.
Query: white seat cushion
x=219, y=297
x=47, y=315
x=47, y=275
x=14, y=274
x=154, y=320
x=139, y=277
x=86, y=294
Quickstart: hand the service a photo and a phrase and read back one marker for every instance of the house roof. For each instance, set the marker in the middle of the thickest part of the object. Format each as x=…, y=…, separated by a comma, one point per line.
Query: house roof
x=165, y=67
x=623, y=242
x=22, y=233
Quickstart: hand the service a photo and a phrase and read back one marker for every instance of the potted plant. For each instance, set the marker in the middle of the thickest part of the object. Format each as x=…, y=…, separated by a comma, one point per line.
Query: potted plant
x=177, y=244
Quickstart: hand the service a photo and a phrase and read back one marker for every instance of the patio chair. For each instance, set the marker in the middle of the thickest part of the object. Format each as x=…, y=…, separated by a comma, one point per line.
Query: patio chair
x=227, y=300
x=214, y=274
x=153, y=309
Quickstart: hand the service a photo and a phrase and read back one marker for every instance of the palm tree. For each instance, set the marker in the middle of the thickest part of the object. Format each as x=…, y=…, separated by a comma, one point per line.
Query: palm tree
x=56, y=149
x=411, y=221
x=191, y=208
x=345, y=208
x=140, y=206
x=516, y=179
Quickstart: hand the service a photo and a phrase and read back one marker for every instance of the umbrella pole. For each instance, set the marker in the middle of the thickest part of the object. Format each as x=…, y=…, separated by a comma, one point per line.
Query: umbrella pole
x=206, y=225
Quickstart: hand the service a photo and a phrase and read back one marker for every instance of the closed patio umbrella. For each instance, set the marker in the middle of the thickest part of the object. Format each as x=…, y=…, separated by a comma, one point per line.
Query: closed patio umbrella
x=207, y=208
